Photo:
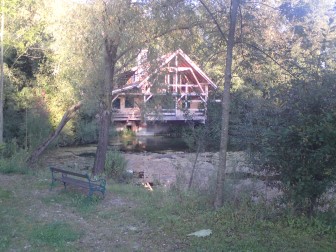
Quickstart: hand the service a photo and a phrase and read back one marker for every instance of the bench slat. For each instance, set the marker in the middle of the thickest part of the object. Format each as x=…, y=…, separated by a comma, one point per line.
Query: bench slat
x=75, y=182
x=69, y=172
x=69, y=177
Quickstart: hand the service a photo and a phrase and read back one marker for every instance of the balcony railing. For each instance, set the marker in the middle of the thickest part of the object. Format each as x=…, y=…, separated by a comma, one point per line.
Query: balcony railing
x=162, y=115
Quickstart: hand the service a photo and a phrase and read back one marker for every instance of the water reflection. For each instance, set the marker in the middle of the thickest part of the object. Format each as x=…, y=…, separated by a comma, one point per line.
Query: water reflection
x=150, y=144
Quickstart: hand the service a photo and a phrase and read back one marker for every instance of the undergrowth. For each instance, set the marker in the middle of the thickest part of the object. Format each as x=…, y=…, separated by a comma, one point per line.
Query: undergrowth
x=12, y=158
x=242, y=224
x=16, y=163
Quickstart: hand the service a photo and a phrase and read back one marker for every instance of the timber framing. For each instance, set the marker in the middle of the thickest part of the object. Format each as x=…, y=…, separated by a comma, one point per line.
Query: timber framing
x=172, y=88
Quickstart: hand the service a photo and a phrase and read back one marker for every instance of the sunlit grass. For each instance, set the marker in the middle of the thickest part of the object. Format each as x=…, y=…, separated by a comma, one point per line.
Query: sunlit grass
x=242, y=225
x=159, y=216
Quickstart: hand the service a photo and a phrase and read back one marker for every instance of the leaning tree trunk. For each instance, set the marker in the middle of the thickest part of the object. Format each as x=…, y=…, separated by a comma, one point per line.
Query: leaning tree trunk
x=69, y=114
x=226, y=107
x=106, y=107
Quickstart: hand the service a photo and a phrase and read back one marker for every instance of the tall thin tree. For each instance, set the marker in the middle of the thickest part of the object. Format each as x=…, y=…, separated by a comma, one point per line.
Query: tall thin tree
x=2, y=70
x=226, y=106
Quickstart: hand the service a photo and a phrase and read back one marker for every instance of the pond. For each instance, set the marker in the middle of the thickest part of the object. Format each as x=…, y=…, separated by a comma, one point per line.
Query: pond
x=157, y=144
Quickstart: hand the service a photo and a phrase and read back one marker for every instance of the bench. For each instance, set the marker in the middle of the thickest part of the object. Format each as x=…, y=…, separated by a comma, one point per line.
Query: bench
x=77, y=180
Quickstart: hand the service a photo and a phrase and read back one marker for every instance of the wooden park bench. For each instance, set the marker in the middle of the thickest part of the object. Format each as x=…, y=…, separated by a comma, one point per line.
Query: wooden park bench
x=77, y=180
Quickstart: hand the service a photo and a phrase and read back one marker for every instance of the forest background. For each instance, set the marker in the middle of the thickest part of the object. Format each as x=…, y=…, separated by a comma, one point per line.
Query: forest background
x=282, y=109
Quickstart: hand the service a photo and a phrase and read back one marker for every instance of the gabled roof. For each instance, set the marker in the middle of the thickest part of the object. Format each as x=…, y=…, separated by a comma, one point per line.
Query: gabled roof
x=169, y=57
x=186, y=63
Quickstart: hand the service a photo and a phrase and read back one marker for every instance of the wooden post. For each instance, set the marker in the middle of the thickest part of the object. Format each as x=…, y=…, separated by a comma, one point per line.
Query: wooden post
x=175, y=82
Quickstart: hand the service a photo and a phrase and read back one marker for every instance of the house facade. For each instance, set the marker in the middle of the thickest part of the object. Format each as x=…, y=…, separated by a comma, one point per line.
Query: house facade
x=173, y=91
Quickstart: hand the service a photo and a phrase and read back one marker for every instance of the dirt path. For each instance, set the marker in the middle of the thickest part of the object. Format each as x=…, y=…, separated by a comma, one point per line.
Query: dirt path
x=114, y=223
x=109, y=225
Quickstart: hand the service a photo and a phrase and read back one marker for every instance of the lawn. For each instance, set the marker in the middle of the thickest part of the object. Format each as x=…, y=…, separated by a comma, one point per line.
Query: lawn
x=130, y=218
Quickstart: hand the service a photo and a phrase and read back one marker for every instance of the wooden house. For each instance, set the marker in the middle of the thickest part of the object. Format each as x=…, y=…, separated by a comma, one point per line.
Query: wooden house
x=174, y=90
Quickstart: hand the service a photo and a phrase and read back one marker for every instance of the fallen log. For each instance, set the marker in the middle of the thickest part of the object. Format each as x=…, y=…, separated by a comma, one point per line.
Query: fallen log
x=69, y=114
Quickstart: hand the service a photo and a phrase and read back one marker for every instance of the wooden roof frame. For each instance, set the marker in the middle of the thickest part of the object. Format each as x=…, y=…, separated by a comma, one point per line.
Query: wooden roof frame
x=190, y=62
x=162, y=62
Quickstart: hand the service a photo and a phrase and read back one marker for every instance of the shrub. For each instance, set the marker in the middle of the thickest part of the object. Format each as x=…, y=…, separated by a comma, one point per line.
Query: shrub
x=115, y=164
x=127, y=133
x=12, y=158
x=300, y=144
x=86, y=132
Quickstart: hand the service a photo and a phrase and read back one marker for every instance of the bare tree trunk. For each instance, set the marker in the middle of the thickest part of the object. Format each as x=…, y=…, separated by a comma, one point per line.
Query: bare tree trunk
x=106, y=112
x=226, y=107
x=2, y=97
x=200, y=143
x=193, y=170
x=70, y=113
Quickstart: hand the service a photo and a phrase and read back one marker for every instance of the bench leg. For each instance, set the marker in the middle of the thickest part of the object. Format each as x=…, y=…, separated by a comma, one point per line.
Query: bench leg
x=90, y=193
x=51, y=185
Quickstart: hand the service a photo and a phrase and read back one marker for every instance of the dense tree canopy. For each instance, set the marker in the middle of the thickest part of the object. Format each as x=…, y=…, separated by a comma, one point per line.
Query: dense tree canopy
x=57, y=53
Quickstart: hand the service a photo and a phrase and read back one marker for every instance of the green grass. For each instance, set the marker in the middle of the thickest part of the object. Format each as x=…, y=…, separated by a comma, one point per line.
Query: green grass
x=56, y=234
x=238, y=226
x=155, y=218
x=5, y=194
x=74, y=199
x=21, y=229
x=16, y=163
x=9, y=166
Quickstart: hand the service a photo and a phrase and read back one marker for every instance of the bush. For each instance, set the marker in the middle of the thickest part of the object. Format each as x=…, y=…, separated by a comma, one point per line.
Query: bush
x=12, y=158
x=86, y=132
x=127, y=133
x=115, y=165
x=300, y=143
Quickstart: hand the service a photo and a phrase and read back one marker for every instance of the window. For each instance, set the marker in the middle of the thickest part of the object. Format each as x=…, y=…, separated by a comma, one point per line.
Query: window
x=116, y=103
x=187, y=104
x=129, y=102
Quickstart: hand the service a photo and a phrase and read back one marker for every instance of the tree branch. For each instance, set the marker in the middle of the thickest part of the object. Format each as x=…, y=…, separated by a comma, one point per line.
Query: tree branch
x=69, y=114
x=268, y=56
x=214, y=20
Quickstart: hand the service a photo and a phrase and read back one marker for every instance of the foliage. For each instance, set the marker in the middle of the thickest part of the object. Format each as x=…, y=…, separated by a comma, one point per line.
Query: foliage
x=300, y=141
x=86, y=131
x=205, y=135
x=115, y=164
x=13, y=158
x=249, y=117
x=127, y=133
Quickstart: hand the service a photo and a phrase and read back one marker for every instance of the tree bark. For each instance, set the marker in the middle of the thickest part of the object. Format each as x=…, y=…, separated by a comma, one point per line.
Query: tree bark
x=226, y=107
x=2, y=97
x=111, y=49
x=99, y=163
x=69, y=114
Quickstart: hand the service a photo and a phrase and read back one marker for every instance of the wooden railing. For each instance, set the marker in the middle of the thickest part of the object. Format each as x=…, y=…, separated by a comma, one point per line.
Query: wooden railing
x=162, y=115
x=131, y=114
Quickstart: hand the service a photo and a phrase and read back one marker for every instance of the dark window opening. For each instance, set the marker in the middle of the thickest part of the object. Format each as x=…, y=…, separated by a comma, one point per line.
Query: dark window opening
x=116, y=104
x=187, y=104
x=171, y=78
x=129, y=102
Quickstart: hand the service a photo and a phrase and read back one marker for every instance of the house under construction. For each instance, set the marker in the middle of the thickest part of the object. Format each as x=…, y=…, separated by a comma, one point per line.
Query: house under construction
x=154, y=98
